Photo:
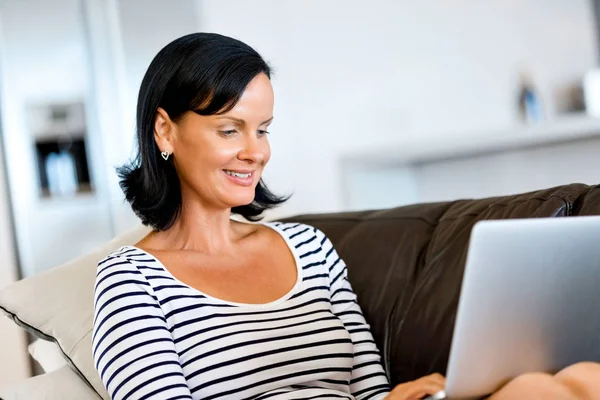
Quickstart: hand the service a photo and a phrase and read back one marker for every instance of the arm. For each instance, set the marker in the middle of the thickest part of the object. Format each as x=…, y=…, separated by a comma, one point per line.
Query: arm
x=133, y=349
x=368, y=378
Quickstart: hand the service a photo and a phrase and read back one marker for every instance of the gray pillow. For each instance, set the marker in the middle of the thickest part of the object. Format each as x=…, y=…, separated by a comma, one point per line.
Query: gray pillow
x=57, y=305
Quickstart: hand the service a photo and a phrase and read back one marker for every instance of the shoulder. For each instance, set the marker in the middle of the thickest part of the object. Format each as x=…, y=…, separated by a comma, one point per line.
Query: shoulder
x=298, y=233
x=120, y=265
x=120, y=275
x=293, y=230
x=119, y=257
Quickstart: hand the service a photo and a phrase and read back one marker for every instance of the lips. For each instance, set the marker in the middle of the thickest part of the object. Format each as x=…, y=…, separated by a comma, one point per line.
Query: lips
x=241, y=178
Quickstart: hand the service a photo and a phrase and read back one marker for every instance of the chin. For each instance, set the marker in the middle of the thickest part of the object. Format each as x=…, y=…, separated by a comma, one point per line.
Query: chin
x=239, y=201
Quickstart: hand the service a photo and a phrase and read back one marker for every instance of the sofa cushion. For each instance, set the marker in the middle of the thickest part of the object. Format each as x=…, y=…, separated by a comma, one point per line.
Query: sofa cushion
x=61, y=384
x=57, y=305
x=47, y=354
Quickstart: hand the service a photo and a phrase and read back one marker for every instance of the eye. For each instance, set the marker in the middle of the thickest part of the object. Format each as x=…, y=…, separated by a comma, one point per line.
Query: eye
x=262, y=132
x=228, y=133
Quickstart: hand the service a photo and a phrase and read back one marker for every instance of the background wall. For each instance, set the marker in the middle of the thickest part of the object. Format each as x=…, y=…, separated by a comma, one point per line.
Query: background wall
x=348, y=79
x=90, y=50
x=44, y=59
x=351, y=78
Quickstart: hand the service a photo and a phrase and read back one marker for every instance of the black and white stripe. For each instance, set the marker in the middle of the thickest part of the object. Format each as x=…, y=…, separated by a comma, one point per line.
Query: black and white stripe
x=157, y=338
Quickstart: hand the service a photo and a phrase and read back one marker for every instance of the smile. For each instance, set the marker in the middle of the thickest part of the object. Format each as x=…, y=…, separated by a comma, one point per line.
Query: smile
x=238, y=174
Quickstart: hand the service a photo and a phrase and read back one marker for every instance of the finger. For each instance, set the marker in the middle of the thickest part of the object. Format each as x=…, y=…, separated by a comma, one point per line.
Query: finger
x=437, y=378
x=426, y=389
x=436, y=381
x=416, y=389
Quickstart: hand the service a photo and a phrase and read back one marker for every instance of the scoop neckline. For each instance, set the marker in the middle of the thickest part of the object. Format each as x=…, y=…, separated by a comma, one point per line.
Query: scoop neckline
x=282, y=299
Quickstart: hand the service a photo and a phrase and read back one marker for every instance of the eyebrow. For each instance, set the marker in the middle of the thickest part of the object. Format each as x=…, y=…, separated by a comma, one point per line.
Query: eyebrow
x=241, y=121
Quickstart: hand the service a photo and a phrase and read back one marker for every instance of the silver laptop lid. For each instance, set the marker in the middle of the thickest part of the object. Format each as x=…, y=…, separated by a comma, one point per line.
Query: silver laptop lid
x=530, y=301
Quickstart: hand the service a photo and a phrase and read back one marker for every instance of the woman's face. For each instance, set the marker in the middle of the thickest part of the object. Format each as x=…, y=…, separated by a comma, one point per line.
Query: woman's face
x=220, y=158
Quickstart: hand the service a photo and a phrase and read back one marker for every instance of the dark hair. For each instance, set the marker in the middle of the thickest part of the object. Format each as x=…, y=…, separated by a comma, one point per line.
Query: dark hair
x=201, y=72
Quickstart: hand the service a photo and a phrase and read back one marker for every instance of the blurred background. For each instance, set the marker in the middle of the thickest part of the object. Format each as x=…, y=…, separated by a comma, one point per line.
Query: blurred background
x=378, y=104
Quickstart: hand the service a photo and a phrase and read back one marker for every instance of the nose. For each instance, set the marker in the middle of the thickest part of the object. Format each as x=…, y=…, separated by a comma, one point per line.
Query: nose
x=255, y=150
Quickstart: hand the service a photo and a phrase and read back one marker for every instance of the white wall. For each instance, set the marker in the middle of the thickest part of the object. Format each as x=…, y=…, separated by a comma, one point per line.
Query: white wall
x=382, y=185
x=510, y=172
x=44, y=58
x=352, y=76
x=145, y=28
x=348, y=78
x=93, y=50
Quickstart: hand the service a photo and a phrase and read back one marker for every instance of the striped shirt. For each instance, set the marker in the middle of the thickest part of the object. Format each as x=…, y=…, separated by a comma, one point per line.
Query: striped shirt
x=155, y=337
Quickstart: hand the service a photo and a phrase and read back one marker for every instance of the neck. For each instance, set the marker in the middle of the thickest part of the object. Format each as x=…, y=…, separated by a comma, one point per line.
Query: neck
x=201, y=228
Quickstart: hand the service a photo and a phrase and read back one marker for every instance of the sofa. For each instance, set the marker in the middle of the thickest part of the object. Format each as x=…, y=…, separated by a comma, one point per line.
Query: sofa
x=405, y=264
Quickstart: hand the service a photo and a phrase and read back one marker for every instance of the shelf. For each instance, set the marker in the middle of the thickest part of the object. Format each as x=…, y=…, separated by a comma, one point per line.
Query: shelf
x=446, y=147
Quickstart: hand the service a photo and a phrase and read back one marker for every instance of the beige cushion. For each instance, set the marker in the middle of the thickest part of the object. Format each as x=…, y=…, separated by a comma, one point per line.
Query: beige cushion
x=47, y=354
x=57, y=305
x=62, y=384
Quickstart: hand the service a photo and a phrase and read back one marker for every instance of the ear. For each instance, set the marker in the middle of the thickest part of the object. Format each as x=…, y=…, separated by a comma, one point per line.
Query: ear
x=164, y=131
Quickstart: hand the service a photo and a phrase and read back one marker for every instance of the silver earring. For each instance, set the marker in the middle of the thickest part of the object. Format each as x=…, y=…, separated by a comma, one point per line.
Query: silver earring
x=165, y=154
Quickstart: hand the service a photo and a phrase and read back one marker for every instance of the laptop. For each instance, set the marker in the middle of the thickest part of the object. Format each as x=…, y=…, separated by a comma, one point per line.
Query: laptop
x=529, y=302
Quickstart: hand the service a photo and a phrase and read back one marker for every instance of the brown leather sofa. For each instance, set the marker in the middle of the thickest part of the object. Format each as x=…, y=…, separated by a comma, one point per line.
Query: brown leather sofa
x=406, y=264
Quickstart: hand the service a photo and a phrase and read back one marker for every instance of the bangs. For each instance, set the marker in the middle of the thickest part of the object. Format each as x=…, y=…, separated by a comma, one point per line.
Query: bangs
x=213, y=90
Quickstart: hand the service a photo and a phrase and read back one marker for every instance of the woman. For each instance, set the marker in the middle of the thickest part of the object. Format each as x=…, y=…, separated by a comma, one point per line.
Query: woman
x=208, y=307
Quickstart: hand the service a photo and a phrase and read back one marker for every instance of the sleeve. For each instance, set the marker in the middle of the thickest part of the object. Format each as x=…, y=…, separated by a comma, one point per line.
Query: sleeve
x=133, y=350
x=368, y=380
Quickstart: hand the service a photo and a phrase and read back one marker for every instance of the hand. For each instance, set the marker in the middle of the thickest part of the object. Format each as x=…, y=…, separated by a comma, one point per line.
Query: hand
x=415, y=390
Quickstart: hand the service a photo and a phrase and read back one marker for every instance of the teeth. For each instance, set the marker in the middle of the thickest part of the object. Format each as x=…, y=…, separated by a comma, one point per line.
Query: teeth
x=237, y=174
